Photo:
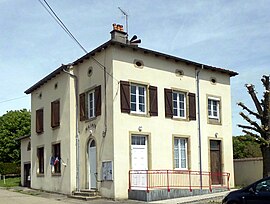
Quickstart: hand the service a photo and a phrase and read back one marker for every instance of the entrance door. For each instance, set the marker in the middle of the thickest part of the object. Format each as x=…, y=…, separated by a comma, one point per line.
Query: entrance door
x=215, y=157
x=27, y=177
x=92, y=165
x=139, y=160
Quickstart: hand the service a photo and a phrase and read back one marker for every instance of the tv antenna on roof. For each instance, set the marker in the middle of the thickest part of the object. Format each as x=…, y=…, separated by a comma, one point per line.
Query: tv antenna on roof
x=126, y=16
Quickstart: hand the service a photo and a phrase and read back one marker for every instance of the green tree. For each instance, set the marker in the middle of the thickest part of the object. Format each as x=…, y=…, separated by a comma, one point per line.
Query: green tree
x=245, y=147
x=13, y=124
x=259, y=123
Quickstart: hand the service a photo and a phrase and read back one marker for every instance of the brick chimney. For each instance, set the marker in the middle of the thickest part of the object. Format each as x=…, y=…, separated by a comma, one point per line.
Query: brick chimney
x=118, y=34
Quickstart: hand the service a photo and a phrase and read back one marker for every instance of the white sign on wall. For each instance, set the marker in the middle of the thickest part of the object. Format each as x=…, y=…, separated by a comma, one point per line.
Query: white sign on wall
x=107, y=172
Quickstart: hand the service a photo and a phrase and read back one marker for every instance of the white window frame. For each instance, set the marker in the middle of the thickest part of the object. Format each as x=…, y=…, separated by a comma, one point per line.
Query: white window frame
x=91, y=104
x=211, y=114
x=177, y=107
x=177, y=153
x=137, y=97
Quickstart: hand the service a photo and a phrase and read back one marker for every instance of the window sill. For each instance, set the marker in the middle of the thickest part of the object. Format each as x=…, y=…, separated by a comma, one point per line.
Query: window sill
x=214, y=121
x=90, y=119
x=40, y=174
x=181, y=169
x=40, y=133
x=140, y=114
x=55, y=127
x=180, y=119
x=56, y=174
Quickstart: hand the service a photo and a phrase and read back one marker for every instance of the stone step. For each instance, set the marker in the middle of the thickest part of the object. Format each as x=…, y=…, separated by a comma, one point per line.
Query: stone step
x=85, y=198
x=85, y=194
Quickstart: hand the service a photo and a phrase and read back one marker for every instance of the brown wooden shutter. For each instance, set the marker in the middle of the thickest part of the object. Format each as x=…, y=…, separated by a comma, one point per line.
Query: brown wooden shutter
x=125, y=96
x=39, y=121
x=168, y=103
x=82, y=107
x=55, y=113
x=192, y=106
x=98, y=101
x=153, y=98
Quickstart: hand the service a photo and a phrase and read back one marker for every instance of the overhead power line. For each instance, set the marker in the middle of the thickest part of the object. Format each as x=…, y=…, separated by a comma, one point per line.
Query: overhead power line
x=13, y=99
x=60, y=23
x=67, y=31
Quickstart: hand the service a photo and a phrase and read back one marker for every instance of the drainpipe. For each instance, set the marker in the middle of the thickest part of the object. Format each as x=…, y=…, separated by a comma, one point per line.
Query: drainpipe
x=77, y=127
x=105, y=98
x=199, y=123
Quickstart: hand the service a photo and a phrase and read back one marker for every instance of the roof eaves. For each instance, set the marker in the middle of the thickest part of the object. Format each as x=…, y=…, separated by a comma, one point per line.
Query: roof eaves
x=45, y=79
x=23, y=137
x=92, y=53
x=108, y=43
x=59, y=70
x=177, y=59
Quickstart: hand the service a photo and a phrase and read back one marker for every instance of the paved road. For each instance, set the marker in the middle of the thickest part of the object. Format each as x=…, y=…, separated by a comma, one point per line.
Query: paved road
x=14, y=197
x=29, y=196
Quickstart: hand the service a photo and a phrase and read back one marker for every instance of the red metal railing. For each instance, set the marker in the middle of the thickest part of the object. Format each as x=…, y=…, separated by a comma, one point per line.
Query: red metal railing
x=173, y=179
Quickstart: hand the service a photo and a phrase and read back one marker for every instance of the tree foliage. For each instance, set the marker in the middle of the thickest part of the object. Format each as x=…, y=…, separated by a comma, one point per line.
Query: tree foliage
x=245, y=147
x=259, y=121
x=13, y=124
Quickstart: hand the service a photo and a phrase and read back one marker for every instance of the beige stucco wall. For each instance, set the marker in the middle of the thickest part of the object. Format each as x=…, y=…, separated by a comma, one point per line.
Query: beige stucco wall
x=158, y=71
x=247, y=170
x=63, y=134
x=25, y=156
x=94, y=129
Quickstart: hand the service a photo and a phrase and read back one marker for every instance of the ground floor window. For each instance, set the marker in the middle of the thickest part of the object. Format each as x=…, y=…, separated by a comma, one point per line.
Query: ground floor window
x=40, y=157
x=180, y=153
x=56, y=158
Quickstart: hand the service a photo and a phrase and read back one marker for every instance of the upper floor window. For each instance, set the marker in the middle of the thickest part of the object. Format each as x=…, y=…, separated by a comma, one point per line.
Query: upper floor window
x=180, y=153
x=90, y=104
x=39, y=120
x=138, y=99
x=55, y=113
x=29, y=146
x=40, y=157
x=213, y=108
x=179, y=104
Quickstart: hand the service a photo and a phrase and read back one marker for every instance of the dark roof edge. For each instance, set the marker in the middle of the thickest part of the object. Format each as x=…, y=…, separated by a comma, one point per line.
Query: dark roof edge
x=231, y=73
x=22, y=137
x=59, y=70
x=45, y=79
x=108, y=43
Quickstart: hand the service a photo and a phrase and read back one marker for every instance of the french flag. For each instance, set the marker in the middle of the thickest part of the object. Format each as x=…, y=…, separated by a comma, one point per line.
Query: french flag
x=56, y=161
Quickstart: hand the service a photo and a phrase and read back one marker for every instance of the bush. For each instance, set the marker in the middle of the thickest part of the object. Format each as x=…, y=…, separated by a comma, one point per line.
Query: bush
x=9, y=168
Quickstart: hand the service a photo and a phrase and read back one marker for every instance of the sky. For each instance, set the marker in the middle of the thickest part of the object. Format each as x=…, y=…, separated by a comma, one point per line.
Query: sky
x=230, y=34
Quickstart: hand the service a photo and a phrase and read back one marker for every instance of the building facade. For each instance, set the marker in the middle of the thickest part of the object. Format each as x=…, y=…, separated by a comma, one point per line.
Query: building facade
x=121, y=108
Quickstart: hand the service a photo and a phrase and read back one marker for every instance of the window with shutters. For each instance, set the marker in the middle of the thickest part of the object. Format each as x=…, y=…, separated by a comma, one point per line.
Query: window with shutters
x=55, y=114
x=56, y=158
x=180, y=153
x=137, y=99
x=90, y=104
x=39, y=121
x=179, y=104
x=40, y=157
x=213, y=110
x=133, y=98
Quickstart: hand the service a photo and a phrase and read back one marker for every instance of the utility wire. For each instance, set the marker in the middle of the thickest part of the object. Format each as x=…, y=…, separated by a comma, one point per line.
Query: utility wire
x=13, y=99
x=67, y=31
